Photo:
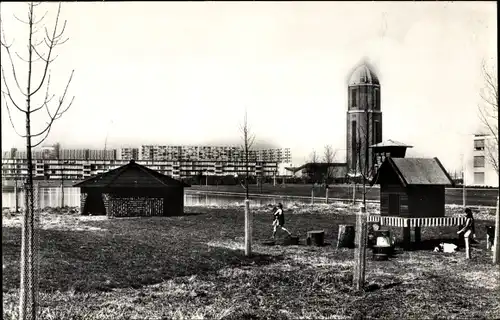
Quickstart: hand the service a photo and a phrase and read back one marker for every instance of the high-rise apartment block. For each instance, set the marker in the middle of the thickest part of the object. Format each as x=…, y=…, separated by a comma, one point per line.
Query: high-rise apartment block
x=481, y=161
x=176, y=161
x=128, y=154
x=212, y=153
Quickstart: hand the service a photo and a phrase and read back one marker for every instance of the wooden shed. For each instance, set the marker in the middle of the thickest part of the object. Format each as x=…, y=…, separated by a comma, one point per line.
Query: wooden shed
x=132, y=190
x=412, y=195
x=412, y=187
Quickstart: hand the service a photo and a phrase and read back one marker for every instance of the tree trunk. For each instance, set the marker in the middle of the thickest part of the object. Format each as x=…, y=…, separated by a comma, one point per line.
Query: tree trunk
x=248, y=229
x=27, y=297
x=496, y=242
x=62, y=186
x=16, y=196
x=360, y=250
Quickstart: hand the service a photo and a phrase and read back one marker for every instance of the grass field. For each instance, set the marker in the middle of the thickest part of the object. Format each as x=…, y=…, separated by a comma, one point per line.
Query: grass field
x=193, y=267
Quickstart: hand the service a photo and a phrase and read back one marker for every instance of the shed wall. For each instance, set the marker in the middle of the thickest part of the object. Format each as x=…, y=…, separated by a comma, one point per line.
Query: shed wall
x=427, y=201
x=386, y=190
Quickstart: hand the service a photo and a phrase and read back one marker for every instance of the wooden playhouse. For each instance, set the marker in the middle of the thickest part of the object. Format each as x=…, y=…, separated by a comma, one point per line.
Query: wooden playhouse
x=132, y=190
x=412, y=195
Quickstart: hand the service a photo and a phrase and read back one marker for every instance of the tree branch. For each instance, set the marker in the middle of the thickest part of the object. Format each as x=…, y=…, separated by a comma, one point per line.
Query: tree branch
x=8, y=91
x=43, y=139
x=47, y=99
x=7, y=48
x=10, y=118
x=58, y=113
x=53, y=43
x=37, y=22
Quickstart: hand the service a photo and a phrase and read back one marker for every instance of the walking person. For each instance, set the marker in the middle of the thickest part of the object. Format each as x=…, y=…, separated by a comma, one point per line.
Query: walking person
x=279, y=220
x=468, y=230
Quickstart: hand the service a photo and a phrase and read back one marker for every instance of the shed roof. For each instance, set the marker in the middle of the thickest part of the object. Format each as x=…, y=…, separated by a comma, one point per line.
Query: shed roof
x=131, y=175
x=417, y=171
x=390, y=143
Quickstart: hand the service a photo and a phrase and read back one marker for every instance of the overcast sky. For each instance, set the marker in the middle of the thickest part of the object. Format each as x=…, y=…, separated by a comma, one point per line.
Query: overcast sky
x=184, y=72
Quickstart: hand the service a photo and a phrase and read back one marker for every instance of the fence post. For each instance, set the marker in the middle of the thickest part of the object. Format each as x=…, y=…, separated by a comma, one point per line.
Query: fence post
x=496, y=241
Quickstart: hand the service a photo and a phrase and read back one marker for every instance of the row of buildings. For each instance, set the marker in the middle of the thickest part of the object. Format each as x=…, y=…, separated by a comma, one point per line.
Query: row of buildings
x=53, y=163
x=50, y=169
x=157, y=153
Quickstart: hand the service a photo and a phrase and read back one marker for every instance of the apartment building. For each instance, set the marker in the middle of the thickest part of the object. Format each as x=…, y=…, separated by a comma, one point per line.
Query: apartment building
x=478, y=163
x=128, y=154
x=58, y=169
x=212, y=153
x=68, y=154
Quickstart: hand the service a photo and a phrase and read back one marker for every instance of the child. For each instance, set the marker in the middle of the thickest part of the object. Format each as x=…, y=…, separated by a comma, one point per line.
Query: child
x=279, y=220
x=468, y=231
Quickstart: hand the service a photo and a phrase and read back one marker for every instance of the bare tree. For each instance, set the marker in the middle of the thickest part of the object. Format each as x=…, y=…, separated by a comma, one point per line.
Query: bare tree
x=329, y=158
x=488, y=113
x=248, y=140
x=313, y=157
x=330, y=153
x=365, y=172
x=40, y=49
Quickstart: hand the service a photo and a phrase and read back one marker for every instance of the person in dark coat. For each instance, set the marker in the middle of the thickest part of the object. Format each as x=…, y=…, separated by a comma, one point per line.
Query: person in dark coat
x=279, y=220
x=468, y=231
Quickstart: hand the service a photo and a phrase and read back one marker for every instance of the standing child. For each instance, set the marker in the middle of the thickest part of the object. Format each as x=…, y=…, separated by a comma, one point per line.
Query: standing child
x=468, y=231
x=279, y=220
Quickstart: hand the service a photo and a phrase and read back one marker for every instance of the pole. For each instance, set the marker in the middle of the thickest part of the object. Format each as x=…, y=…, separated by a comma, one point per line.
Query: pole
x=354, y=192
x=464, y=190
x=62, y=184
x=326, y=195
x=496, y=242
x=16, y=195
x=248, y=229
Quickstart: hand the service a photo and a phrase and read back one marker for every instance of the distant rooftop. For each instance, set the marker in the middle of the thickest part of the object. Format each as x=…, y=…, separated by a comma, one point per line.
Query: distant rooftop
x=390, y=143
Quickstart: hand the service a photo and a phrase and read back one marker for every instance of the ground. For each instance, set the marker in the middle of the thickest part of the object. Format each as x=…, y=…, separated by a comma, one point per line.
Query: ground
x=194, y=267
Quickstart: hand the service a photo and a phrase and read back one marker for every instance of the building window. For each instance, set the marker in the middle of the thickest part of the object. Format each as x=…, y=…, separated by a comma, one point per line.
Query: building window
x=478, y=161
x=354, y=152
x=353, y=98
x=376, y=104
x=478, y=177
x=479, y=144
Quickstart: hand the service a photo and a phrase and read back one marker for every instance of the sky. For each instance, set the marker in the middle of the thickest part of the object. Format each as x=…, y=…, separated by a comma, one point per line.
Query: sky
x=186, y=72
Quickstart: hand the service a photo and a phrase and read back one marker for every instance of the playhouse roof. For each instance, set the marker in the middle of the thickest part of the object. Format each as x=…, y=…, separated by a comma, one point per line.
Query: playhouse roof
x=416, y=171
x=131, y=175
